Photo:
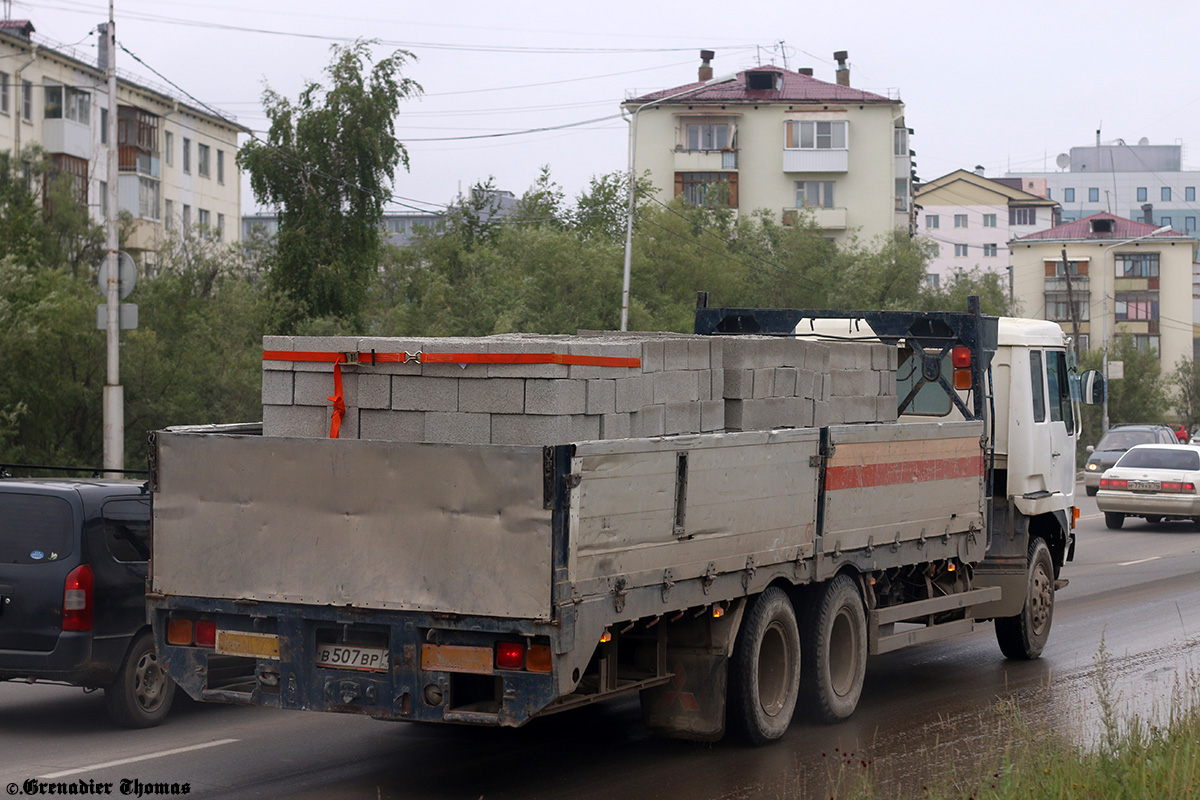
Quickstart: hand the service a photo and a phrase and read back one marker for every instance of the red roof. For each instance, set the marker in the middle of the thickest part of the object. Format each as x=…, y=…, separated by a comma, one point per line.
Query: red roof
x=1081, y=229
x=793, y=87
x=22, y=26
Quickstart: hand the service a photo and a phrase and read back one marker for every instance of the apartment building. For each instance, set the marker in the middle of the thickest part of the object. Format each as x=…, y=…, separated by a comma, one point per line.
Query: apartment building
x=1143, y=182
x=971, y=219
x=1120, y=276
x=770, y=138
x=178, y=168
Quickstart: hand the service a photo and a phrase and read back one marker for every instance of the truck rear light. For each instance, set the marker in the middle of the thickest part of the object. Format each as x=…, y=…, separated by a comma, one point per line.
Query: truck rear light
x=206, y=633
x=77, y=599
x=539, y=659
x=510, y=655
x=960, y=357
x=179, y=631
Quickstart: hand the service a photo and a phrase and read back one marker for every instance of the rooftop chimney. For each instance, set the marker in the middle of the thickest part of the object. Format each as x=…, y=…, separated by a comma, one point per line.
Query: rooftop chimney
x=806, y=71
x=706, y=72
x=1148, y=213
x=843, y=70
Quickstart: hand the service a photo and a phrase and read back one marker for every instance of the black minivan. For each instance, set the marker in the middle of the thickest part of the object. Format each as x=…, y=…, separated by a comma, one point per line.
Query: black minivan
x=73, y=562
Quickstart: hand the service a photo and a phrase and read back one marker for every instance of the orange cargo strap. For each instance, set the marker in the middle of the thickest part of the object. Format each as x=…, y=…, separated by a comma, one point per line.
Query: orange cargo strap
x=372, y=357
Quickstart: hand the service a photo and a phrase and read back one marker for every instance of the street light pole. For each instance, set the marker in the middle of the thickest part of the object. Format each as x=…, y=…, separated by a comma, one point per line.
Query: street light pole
x=114, y=397
x=1104, y=314
x=633, y=121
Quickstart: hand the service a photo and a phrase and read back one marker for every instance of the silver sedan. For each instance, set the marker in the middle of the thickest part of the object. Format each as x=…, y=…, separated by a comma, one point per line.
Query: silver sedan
x=1155, y=481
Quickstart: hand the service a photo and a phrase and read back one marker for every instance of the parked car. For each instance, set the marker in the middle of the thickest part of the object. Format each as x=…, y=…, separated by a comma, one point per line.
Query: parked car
x=73, y=562
x=1114, y=443
x=1153, y=481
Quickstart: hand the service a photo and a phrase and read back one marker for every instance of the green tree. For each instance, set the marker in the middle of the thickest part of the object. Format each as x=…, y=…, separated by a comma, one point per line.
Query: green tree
x=1185, y=381
x=327, y=167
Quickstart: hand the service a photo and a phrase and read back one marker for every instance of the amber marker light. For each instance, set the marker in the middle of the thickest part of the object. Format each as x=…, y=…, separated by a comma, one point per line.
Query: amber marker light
x=179, y=631
x=538, y=658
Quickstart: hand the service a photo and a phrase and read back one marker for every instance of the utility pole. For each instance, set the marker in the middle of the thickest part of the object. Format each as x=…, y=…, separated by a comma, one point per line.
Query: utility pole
x=1071, y=303
x=114, y=394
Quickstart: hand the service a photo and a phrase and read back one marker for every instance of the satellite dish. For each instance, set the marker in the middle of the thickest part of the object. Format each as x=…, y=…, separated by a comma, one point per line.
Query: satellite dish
x=1142, y=142
x=1063, y=160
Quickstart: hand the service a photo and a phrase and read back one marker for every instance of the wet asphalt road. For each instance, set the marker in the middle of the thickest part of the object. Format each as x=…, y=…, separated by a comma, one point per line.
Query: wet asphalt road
x=924, y=709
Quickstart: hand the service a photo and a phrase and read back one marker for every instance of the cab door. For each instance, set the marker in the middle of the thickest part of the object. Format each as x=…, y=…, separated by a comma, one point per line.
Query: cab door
x=1041, y=446
x=1061, y=428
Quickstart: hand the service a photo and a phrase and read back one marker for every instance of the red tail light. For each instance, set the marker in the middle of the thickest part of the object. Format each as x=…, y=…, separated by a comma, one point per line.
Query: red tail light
x=206, y=633
x=1113, y=483
x=510, y=655
x=960, y=357
x=77, y=600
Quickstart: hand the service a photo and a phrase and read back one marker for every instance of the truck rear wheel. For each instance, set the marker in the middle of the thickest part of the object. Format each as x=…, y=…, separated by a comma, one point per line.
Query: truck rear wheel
x=764, y=673
x=1024, y=636
x=142, y=694
x=835, y=651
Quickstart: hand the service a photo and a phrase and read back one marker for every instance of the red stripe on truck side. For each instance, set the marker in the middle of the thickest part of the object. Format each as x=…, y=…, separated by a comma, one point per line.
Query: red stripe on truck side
x=935, y=469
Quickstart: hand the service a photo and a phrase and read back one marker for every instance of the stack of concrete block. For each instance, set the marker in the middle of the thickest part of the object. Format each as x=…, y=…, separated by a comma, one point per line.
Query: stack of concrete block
x=798, y=383
x=685, y=384
x=677, y=389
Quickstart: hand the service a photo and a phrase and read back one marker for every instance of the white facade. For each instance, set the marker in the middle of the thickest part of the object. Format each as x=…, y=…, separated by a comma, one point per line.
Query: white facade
x=60, y=102
x=1123, y=180
x=802, y=146
x=971, y=219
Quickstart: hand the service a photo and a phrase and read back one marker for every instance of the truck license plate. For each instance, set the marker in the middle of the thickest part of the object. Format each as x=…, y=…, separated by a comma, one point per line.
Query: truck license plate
x=349, y=656
x=1144, y=486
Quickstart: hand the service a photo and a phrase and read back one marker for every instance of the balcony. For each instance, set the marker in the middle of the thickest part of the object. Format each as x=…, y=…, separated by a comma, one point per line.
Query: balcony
x=705, y=160
x=816, y=160
x=68, y=137
x=828, y=219
x=1079, y=283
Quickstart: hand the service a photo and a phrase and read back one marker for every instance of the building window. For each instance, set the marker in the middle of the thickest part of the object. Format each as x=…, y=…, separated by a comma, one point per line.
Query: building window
x=202, y=160
x=148, y=197
x=169, y=146
x=1068, y=195
x=67, y=102
x=220, y=227
x=801, y=135
x=221, y=166
x=1093, y=195
x=707, y=188
x=204, y=219
x=902, y=194
x=960, y=251
x=1166, y=193
x=169, y=214
x=932, y=221
x=932, y=280
x=1141, y=194
x=705, y=136
x=1022, y=216
x=27, y=101
x=3, y=92
x=1049, y=193
x=1145, y=343
x=68, y=170
x=1164, y=221
x=989, y=220
x=1134, y=306
x=1189, y=194
x=187, y=156
x=900, y=140
x=137, y=141
x=814, y=194
x=1059, y=310
x=960, y=220
x=1137, y=265
x=1189, y=223
x=990, y=251
x=187, y=216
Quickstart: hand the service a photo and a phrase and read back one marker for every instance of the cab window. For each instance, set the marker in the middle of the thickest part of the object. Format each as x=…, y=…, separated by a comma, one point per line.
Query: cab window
x=1060, y=389
x=1038, y=384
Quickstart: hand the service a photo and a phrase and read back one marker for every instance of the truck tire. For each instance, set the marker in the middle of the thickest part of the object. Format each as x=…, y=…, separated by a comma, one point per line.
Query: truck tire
x=142, y=694
x=764, y=673
x=1024, y=636
x=835, y=651
x=1113, y=520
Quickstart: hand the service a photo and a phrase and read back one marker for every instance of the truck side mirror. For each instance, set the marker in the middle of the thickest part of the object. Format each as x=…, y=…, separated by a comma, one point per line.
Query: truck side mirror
x=1091, y=388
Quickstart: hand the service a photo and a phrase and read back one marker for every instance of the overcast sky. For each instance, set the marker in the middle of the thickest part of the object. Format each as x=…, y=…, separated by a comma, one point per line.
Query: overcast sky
x=1006, y=85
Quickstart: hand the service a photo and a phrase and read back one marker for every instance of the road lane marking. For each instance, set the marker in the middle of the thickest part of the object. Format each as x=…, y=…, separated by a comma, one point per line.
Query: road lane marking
x=135, y=759
x=1139, y=561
